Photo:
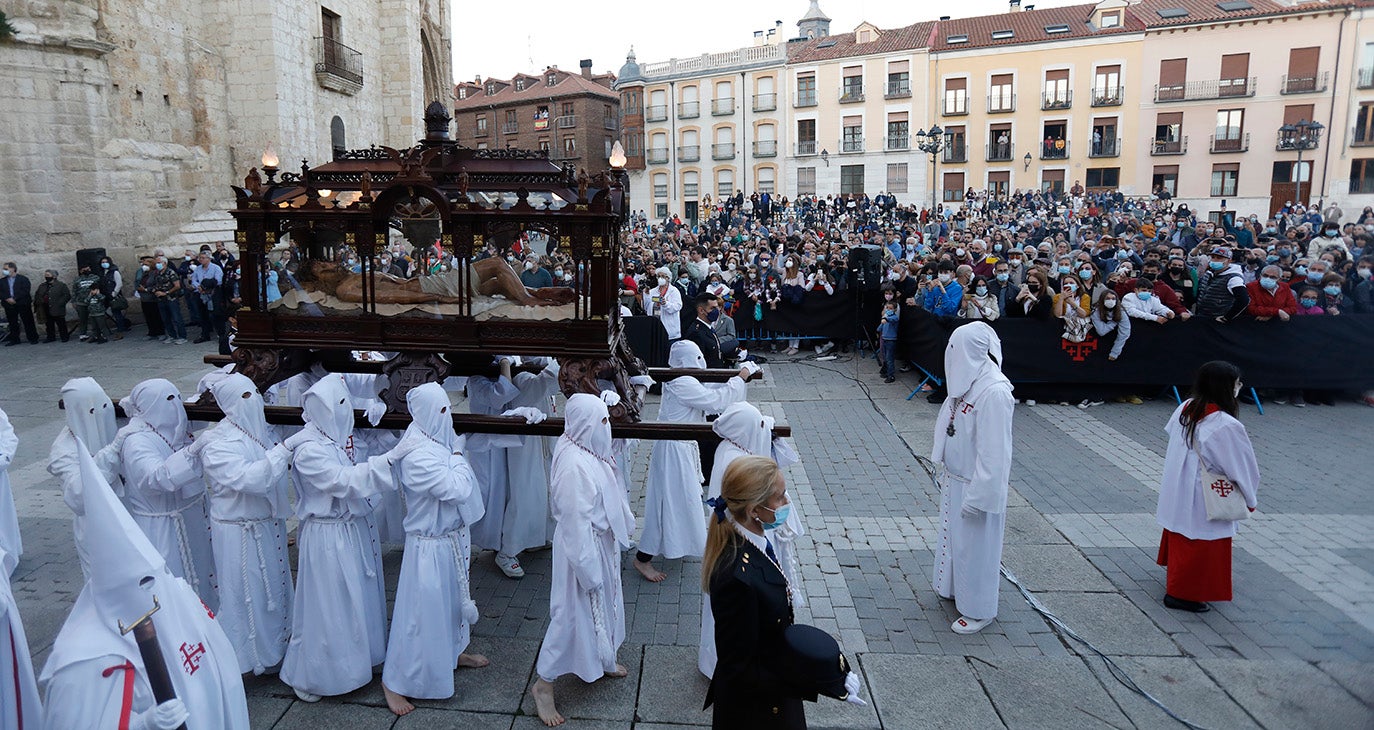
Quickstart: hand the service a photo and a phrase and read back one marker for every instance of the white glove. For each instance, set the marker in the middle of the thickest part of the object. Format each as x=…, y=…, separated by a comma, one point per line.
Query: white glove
x=296, y=439
x=610, y=398
x=852, y=685
x=375, y=412
x=470, y=612
x=641, y=381
x=197, y=445
x=513, y=359
x=752, y=367
x=530, y=414
x=551, y=366
x=969, y=511
x=743, y=353
x=169, y=715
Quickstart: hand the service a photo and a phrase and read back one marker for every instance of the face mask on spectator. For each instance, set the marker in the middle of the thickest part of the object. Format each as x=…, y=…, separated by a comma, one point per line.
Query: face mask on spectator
x=1300, y=270
x=159, y=268
x=730, y=267
x=1332, y=291
x=1109, y=303
x=997, y=247
x=1216, y=265
x=1330, y=232
x=663, y=281
x=981, y=291
x=1144, y=296
x=1269, y=283
x=1014, y=263
x=959, y=252
x=1314, y=276
x=1003, y=276
x=557, y=272
x=1063, y=269
x=186, y=258
x=945, y=277
x=1085, y=273
x=1309, y=303
x=1123, y=254
x=752, y=275
x=104, y=264
x=144, y=267
x=1365, y=273
x=1271, y=258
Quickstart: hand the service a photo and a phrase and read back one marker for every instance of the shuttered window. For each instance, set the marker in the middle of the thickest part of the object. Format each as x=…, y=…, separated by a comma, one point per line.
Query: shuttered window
x=1173, y=71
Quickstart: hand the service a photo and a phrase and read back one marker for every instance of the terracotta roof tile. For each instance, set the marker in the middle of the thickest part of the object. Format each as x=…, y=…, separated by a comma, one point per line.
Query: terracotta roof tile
x=569, y=84
x=1207, y=10
x=1026, y=26
x=842, y=45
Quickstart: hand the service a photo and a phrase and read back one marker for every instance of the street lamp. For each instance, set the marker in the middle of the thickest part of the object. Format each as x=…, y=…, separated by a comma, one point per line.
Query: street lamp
x=1025, y=162
x=1299, y=136
x=932, y=142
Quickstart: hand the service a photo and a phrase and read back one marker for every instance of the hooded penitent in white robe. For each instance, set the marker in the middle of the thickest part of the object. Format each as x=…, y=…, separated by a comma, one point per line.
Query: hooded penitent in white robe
x=91, y=428
x=527, y=523
x=977, y=467
x=388, y=511
x=338, y=628
x=594, y=523
x=674, y=514
x=744, y=431
x=434, y=611
x=10, y=541
x=19, y=704
x=163, y=486
x=95, y=676
x=486, y=453
x=245, y=468
x=1225, y=448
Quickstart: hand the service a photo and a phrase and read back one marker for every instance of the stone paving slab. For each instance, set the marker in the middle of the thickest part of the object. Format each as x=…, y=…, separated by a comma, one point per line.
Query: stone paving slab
x=672, y=689
x=1289, y=694
x=431, y=719
x=1054, y=567
x=1111, y=623
x=264, y=712
x=306, y=716
x=1047, y=693
x=1355, y=678
x=604, y=699
x=1178, y=683
x=911, y=691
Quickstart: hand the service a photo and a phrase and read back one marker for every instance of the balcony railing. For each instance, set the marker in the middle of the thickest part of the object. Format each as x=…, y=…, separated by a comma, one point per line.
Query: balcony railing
x=851, y=145
x=660, y=191
x=481, y=131
x=1230, y=144
x=1113, y=96
x=1109, y=147
x=564, y=154
x=656, y=113
x=1303, y=84
x=898, y=142
x=851, y=93
x=510, y=128
x=955, y=153
x=1000, y=152
x=900, y=90
x=1001, y=103
x=1286, y=142
x=766, y=148
x=689, y=110
x=765, y=102
x=806, y=148
x=722, y=107
x=1364, y=79
x=631, y=111
x=956, y=108
x=567, y=121
x=610, y=123
x=337, y=66
x=1056, y=100
x=1169, y=146
x=724, y=151
x=805, y=98
x=689, y=153
x=690, y=190
x=1055, y=150
x=1361, y=137
x=1198, y=90
x=657, y=156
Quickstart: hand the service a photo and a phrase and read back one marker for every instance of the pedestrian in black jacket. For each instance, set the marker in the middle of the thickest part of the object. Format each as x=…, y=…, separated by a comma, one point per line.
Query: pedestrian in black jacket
x=17, y=298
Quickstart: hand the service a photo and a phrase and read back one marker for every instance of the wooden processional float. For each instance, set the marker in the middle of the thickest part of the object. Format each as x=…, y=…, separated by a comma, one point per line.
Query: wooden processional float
x=445, y=205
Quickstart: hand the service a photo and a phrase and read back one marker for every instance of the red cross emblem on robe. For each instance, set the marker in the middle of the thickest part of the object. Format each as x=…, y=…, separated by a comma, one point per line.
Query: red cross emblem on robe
x=191, y=656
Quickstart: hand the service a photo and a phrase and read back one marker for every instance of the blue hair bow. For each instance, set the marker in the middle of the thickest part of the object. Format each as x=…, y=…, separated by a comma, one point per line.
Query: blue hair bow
x=717, y=504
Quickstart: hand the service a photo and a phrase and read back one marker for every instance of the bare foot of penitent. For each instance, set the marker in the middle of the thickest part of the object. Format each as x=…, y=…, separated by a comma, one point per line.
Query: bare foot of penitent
x=620, y=671
x=542, y=692
x=650, y=573
x=472, y=661
x=398, y=704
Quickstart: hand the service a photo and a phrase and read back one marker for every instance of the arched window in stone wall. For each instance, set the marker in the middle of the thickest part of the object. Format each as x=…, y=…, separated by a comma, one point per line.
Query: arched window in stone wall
x=337, y=138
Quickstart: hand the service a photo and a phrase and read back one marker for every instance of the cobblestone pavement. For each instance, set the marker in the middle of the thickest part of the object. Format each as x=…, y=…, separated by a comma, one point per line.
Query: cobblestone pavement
x=1291, y=651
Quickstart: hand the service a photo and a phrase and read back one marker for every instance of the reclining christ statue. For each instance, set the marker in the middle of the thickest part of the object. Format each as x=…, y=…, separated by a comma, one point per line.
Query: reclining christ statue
x=487, y=277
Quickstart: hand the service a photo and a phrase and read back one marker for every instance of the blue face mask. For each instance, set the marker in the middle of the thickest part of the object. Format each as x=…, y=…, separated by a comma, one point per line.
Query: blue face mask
x=1271, y=258
x=1332, y=290
x=1300, y=270
x=997, y=247
x=159, y=266
x=1285, y=251
x=1216, y=265
x=1269, y=283
x=1063, y=269
x=1314, y=276
x=1309, y=303
x=982, y=291
x=1144, y=296
x=779, y=517
x=713, y=315
x=1085, y=273
x=1003, y=276
x=1123, y=254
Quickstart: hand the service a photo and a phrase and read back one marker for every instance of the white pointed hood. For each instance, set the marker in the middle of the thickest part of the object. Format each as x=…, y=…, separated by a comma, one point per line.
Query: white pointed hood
x=973, y=360
x=744, y=426
x=328, y=409
x=685, y=354
x=90, y=414
x=431, y=418
x=584, y=453
x=243, y=407
x=156, y=404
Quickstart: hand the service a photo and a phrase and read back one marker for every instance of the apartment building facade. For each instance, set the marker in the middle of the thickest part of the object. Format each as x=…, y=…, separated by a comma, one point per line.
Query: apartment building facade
x=1348, y=148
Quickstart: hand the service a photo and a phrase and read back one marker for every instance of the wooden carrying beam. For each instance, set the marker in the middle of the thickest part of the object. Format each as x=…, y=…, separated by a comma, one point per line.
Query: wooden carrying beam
x=470, y=423
x=715, y=375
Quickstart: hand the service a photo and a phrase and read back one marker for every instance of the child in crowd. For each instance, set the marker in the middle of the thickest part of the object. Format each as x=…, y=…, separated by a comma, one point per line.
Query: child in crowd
x=887, y=332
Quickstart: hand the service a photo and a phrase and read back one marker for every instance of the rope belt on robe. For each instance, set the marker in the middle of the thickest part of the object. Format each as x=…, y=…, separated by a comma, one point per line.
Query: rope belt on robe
x=599, y=624
x=351, y=524
x=253, y=530
x=459, y=560
x=188, y=562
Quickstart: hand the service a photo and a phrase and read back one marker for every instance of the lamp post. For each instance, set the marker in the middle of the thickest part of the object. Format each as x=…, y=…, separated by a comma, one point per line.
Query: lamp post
x=932, y=142
x=1302, y=135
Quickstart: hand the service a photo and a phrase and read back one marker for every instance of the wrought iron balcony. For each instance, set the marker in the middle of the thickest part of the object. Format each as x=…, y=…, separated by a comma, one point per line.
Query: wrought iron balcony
x=567, y=121
x=1112, y=96
x=610, y=123
x=660, y=191
x=510, y=128
x=722, y=107
x=481, y=131
x=807, y=147
x=899, y=90
x=657, y=156
x=765, y=102
x=1303, y=84
x=805, y=98
x=338, y=67
x=689, y=153
x=1000, y=152
x=631, y=111
x=1110, y=147
x=898, y=142
x=955, y=107
x=1001, y=103
x=1169, y=146
x=1054, y=150
x=724, y=151
x=766, y=148
x=1239, y=143
x=1199, y=90
x=656, y=113
x=850, y=93
x=1361, y=137
x=689, y=110
x=1364, y=79
x=1056, y=100
x=955, y=153
x=690, y=191
x=852, y=145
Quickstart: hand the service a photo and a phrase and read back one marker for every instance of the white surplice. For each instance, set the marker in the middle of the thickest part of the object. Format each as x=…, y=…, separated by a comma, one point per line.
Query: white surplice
x=527, y=523
x=977, y=469
x=434, y=611
x=20, y=706
x=10, y=541
x=486, y=453
x=674, y=514
x=1226, y=448
x=246, y=472
x=594, y=522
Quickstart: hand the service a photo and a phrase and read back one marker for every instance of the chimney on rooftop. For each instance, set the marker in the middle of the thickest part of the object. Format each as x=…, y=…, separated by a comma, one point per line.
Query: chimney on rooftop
x=944, y=17
x=586, y=65
x=1015, y=6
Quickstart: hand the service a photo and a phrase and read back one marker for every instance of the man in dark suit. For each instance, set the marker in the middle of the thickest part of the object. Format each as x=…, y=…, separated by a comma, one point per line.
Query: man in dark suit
x=701, y=332
x=18, y=300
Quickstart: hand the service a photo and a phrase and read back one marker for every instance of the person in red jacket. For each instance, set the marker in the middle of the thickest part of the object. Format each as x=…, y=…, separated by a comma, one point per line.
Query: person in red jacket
x=1167, y=296
x=1271, y=297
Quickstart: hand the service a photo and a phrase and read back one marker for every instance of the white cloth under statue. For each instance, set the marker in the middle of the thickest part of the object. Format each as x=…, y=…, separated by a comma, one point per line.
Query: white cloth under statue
x=163, y=486
x=594, y=523
x=431, y=623
x=674, y=513
x=486, y=453
x=246, y=471
x=977, y=466
x=388, y=510
x=527, y=523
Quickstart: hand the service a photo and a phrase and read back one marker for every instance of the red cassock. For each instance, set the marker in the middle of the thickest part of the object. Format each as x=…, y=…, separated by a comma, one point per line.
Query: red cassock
x=1198, y=570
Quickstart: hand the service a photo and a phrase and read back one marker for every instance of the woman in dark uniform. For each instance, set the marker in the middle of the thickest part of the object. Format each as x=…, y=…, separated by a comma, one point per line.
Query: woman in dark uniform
x=755, y=684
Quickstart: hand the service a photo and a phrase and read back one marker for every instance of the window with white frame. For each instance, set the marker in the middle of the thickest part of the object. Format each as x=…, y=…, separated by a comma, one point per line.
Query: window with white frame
x=806, y=181
x=660, y=185
x=896, y=177
x=767, y=180
x=725, y=183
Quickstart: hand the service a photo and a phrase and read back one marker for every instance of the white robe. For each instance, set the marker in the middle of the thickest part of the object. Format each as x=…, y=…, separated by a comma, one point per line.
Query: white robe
x=10, y=541
x=977, y=461
x=674, y=514
x=1225, y=447
x=388, y=510
x=248, y=509
x=668, y=309
x=527, y=523
x=14, y=654
x=338, y=626
x=165, y=494
x=486, y=453
x=63, y=463
x=433, y=613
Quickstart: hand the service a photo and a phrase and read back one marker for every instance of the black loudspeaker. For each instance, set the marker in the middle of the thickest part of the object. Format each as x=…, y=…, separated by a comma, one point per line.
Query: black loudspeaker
x=89, y=257
x=866, y=267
